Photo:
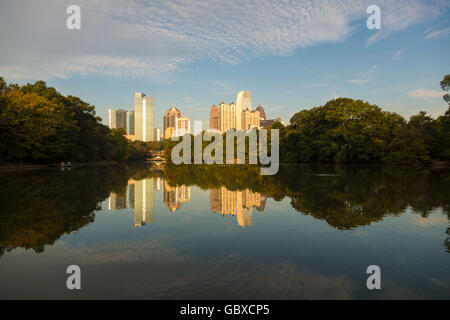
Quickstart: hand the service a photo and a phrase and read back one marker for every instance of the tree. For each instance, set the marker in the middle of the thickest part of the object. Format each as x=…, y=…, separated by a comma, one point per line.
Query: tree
x=445, y=85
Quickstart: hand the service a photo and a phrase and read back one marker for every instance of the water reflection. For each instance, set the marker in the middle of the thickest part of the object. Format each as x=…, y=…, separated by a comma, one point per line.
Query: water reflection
x=306, y=233
x=39, y=207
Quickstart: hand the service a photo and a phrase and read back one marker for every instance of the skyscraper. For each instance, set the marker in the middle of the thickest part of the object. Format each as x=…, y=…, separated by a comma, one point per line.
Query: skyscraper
x=227, y=116
x=143, y=117
x=175, y=125
x=262, y=113
x=250, y=119
x=117, y=118
x=130, y=123
x=239, y=109
x=214, y=118
x=247, y=101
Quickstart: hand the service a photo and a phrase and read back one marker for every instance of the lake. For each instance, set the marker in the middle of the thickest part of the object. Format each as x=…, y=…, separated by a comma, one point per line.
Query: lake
x=226, y=232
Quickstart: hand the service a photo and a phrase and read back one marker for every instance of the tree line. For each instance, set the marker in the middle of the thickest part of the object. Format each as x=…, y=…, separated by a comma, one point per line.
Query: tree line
x=353, y=131
x=40, y=125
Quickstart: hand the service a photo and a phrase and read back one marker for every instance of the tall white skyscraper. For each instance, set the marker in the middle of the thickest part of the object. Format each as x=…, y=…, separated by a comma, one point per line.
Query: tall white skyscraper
x=239, y=109
x=144, y=117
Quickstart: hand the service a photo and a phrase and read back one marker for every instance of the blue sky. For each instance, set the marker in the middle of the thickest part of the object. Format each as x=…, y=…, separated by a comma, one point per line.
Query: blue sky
x=291, y=55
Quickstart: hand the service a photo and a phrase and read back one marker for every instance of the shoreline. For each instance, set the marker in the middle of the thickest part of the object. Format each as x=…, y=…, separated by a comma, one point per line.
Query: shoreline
x=28, y=166
x=435, y=164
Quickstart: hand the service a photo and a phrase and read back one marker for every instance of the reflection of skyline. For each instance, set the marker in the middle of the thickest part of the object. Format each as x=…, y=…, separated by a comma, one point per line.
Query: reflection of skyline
x=237, y=203
x=175, y=196
x=138, y=195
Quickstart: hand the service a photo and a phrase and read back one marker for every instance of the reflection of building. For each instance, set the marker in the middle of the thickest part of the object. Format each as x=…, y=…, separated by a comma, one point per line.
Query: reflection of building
x=138, y=195
x=117, y=201
x=175, y=196
x=143, y=117
x=143, y=202
x=175, y=125
x=117, y=118
x=236, y=203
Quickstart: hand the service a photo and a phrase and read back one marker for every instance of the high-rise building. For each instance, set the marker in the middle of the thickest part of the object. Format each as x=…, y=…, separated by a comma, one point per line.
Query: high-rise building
x=170, y=118
x=182, y=126
x=250, y=119
x=239, y=109
x=117, y=118
x=214, y=118
x=157, y=134
x=143, y=117
x=247, y=101
x=175, y=125
x=262, y=113
x=130, y=123
x=227, y=116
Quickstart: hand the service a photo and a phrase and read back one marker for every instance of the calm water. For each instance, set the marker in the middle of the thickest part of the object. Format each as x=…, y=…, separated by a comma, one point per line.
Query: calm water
x=226, y=232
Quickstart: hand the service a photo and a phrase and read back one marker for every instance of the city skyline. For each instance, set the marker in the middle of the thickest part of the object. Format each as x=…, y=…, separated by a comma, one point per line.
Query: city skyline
x=316, y=52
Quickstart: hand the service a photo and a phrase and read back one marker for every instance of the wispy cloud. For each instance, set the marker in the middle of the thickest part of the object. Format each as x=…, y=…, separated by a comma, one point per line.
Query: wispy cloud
x=156, y=38
x=438, y=34
x=358, y=81
x=426, y=94
x=397, y=55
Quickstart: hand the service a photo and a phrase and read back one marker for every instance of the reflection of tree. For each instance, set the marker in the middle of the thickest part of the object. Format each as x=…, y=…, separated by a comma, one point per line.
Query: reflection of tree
x=38, y=207
x=344, y=196
x=447, y=241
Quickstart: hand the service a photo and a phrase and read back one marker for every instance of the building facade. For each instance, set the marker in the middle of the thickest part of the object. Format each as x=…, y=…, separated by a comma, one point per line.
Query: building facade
x=143, y=117
x=175, y=124
x=262, y=113
x=250, y=119
x=214, y=118
x=117, y=118
x=227, y=116
x=239, y=109
x=130, y=123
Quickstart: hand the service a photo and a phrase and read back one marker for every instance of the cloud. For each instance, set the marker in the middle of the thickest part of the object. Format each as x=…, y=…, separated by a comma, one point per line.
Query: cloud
x=134, y=38
x=358, y=81
x=438, y=34
x=426, y=94
x=397, y=55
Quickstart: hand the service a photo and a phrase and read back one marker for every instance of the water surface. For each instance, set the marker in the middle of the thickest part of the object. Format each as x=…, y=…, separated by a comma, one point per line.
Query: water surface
x=209, y=232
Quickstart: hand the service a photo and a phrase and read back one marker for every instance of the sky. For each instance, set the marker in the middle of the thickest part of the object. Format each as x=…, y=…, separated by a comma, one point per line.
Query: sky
x=291, y=55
